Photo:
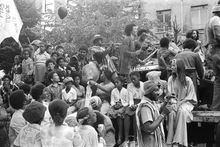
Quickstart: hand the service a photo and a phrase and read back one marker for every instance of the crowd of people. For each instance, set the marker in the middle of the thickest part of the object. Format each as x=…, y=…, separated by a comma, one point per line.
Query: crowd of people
x=45, y=102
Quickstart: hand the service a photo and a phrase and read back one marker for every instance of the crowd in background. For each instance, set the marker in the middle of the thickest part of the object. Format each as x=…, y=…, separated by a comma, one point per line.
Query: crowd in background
x=46, y=102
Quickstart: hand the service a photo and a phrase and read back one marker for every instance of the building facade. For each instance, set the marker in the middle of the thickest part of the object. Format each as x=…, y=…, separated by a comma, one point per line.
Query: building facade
x=189, y=14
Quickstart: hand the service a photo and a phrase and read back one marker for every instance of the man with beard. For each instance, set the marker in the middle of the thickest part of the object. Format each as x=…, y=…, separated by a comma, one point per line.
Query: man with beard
x=149, y=119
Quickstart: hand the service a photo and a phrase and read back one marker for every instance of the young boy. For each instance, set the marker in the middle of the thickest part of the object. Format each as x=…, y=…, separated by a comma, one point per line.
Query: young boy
x=69, y=94
x=30, y=134
x=119, y=102
x=54, y=90
x=50, y=64
x=17, y=100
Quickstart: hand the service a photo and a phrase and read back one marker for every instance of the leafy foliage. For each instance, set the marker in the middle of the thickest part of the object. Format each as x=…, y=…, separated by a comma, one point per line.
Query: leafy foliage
x=84, y=20
x=28, y=11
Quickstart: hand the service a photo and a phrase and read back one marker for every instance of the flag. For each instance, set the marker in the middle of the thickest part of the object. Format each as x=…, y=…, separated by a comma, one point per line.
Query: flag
x=10, y=20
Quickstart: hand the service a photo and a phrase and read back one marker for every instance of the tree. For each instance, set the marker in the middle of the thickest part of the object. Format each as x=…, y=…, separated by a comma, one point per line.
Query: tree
x=85, y=19
x=29, y=12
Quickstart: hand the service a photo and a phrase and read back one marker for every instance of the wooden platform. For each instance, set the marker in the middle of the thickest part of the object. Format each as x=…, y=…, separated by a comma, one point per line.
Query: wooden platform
x=206, y=116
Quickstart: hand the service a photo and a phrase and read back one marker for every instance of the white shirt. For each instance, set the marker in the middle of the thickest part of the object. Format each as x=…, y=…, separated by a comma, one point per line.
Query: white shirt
x=122, y=95
x=71, y=95
x=89, y=135
x=134, y=92
x=29, y=136
x=60, y=136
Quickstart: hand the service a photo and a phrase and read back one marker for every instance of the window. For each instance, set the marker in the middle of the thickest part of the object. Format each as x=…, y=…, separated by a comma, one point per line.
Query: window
x=164, y=17
x=199, y=16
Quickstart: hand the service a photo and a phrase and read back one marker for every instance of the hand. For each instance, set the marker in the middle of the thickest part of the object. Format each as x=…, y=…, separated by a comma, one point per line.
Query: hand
x=133, y=107
x=165, y=110
x=92, y=83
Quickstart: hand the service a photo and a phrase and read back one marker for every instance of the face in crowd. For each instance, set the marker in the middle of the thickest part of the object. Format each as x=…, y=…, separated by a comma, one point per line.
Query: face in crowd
x=194, y=34
x=42, y=47
x=134, y=30
x=55, y=78
x=60, y=51
x=51, y=66
x=62, y=63
x=77, y=80
x=135, y=80
x=155, y=93
x=26, y=55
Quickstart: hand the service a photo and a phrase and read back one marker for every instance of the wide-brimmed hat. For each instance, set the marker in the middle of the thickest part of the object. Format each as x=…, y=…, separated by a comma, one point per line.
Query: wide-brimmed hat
x=68, y=79
x=34, y=112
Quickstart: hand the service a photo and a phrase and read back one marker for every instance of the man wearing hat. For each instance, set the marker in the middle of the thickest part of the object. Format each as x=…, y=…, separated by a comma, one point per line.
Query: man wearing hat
x=150, y=131
x=100, y=54
x=212, y=43
x=30, y=134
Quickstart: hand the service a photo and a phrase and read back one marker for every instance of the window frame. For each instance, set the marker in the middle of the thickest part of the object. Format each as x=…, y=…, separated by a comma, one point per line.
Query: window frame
x=164, y=28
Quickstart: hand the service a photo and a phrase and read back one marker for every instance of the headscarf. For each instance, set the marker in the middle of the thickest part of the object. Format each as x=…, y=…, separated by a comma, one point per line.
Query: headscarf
x=149, y=86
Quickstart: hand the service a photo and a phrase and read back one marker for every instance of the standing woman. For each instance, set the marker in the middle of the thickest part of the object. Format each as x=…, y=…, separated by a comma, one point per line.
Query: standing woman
x=27, y=67
x=40, y=60
x=181, y=87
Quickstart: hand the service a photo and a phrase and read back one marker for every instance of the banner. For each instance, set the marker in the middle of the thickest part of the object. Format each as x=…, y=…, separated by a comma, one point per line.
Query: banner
x=10, y=21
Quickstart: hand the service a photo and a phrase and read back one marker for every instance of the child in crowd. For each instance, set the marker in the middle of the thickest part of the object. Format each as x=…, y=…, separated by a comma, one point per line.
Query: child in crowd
x=54, y=56
x=79, y=88
x=41, y=96
x=119, y=102
x=30, y=134
x=26, y=88
x=58, y=134
x=16, y=69
x=69, y=94
x=61, y=68
x=4, y=121
x=54, y=90
x=6, y=89
x=27, y=67
x=17, y=100
x=60, y=51
x=50, y=64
